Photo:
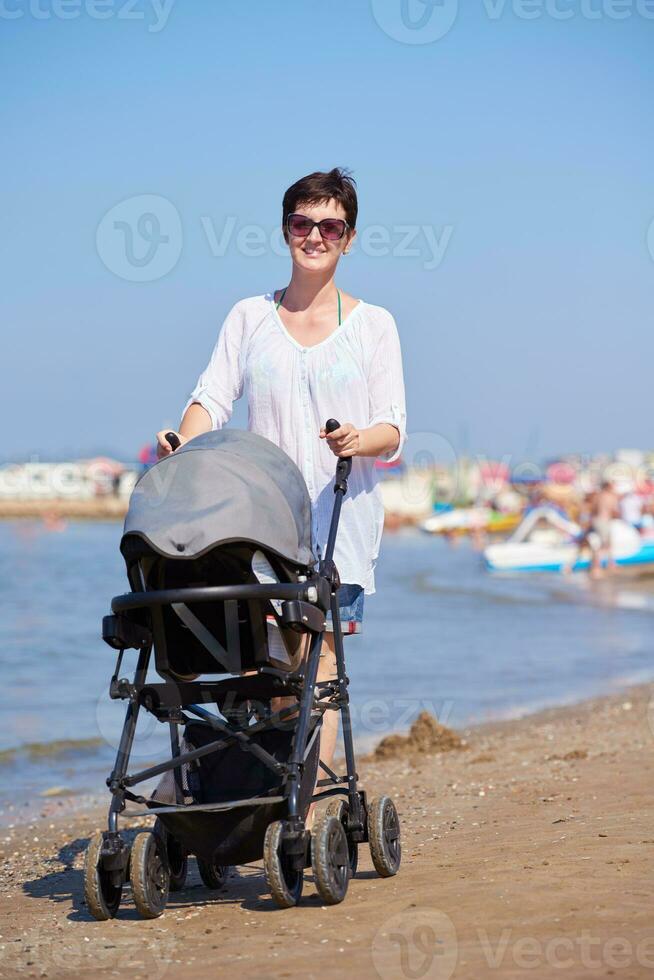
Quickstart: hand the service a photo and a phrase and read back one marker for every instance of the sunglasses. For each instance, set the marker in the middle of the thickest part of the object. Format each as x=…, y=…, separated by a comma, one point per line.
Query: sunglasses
x=331, y=229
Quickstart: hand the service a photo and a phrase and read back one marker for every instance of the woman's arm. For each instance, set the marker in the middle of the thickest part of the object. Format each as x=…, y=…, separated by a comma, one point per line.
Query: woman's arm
x=386, y=431
x=349, y=441
x=378, y=439
x=195, y=421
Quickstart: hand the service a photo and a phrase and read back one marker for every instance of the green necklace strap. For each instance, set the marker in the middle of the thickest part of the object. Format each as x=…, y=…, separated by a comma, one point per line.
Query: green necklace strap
x=338, y=293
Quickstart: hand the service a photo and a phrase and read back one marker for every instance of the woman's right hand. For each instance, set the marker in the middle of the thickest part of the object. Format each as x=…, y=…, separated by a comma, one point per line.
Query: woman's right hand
x=163, y=446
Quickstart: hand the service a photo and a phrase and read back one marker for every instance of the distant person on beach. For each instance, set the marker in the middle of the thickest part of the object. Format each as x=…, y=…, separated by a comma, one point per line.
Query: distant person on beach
x=631, y=509
x=604, y=507
x=581, y=540
x=307, y=353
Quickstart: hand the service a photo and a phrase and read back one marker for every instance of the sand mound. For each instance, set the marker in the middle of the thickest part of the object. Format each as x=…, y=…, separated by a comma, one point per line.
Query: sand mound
x=426, y=736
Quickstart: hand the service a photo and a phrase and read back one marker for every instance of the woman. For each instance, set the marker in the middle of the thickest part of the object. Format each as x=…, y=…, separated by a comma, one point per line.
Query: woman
x=307, y=353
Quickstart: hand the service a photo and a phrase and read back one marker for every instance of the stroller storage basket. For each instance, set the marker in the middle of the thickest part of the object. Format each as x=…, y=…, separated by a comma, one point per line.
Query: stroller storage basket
x=232, y=775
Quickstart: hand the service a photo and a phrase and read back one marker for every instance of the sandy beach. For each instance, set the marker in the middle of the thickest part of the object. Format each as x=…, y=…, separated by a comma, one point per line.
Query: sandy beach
x=528, y=851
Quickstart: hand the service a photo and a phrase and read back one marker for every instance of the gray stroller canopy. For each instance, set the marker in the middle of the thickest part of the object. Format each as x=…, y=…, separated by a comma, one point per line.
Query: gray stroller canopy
x=221, y=487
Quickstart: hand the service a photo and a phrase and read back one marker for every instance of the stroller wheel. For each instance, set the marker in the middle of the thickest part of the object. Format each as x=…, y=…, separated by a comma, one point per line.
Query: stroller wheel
x=384, y=836
x=101, y=894
x=285, y=882
x=339, y=809
x=213, y=875
x=177, y=858
x=150, y=874
x=330, y=860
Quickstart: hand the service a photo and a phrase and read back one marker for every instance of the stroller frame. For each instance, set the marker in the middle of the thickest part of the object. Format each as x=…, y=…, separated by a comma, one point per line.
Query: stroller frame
x=303, y=606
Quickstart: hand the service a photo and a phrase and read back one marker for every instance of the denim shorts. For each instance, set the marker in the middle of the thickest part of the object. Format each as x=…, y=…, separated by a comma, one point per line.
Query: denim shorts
x=350, y=603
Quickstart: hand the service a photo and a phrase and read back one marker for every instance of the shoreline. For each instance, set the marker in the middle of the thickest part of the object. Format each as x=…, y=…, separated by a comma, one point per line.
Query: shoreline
x=530, y=849
x=61, y=752
x=61, y=508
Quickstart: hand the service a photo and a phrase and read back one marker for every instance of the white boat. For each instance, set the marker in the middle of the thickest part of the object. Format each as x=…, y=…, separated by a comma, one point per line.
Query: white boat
x=546, y=541
x=457, y=519
x=463, y=520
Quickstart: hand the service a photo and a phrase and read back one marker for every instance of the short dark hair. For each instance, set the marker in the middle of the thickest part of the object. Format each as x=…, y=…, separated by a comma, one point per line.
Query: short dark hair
x=318, y=187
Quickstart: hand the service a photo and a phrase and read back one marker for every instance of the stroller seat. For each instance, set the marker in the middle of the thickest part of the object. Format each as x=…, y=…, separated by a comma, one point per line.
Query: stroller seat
x=195, y=638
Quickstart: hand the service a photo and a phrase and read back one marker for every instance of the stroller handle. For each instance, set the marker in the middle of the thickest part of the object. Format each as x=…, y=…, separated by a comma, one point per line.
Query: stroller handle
x=343, y=468
x=173, y=440
x=331, y=425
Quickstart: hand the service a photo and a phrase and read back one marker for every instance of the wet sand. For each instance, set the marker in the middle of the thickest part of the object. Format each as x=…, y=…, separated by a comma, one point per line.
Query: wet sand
x=528, y=852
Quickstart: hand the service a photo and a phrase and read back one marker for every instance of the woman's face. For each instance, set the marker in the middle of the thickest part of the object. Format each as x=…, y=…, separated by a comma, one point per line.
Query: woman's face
x=314, y=253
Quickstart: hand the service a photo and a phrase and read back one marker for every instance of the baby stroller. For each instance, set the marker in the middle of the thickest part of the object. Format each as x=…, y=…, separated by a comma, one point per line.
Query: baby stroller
x=229, y=603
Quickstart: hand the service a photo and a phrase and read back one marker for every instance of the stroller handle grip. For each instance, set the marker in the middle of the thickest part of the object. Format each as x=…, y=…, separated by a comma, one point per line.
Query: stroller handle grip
x=331, y=425
x=343, y=469
x=173, y=440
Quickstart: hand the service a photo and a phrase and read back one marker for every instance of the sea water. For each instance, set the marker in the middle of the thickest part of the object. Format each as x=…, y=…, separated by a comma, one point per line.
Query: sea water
x=441, y=634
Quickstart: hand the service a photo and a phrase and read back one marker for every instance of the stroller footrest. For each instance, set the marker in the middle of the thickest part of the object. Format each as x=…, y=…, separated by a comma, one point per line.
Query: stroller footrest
x=154, y=807
x=155, y=697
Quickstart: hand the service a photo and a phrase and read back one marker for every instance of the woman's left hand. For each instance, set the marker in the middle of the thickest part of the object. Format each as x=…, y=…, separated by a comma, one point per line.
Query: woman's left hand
x=343, y=441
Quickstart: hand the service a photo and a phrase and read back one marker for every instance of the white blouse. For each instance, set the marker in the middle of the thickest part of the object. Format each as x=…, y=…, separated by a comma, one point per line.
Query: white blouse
x=354, y=375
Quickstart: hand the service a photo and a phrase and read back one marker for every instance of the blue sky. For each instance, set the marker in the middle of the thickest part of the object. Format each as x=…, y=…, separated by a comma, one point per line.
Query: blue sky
x=505, y=173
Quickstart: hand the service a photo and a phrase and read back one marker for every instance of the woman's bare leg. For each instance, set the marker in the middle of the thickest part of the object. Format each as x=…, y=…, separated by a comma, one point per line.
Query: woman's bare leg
x=330, y=719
